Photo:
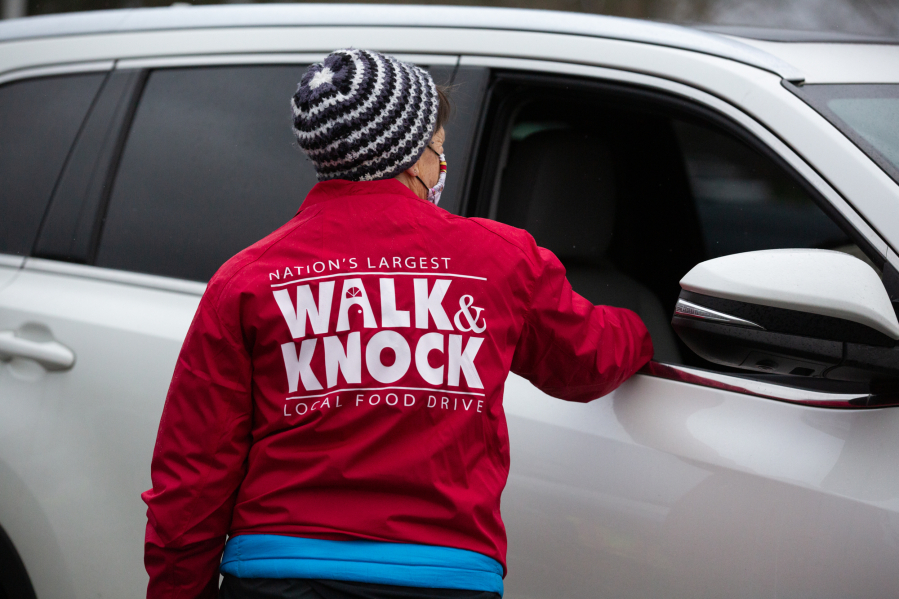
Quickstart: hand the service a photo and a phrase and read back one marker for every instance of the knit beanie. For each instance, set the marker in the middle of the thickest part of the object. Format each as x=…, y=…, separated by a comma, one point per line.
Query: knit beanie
x=361, y=115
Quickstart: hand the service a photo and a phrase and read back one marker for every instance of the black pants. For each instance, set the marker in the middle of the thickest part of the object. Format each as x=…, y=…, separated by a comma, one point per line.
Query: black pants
x=303, y=588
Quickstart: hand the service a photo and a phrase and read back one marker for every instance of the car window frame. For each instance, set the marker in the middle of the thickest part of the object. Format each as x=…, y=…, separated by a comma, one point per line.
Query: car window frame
x=709, y=109
x=475, y=206
x=446, y=64
x=95, y=66
x=82, y=265
x=769, y=142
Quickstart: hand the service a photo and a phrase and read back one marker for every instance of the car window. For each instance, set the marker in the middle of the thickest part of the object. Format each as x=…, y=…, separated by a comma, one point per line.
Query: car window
x=744, y=201
x=631, y=193
x=39, y=120
x=210, y=166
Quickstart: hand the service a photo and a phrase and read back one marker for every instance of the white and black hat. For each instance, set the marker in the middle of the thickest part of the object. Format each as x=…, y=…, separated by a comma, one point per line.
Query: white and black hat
x=361, y=115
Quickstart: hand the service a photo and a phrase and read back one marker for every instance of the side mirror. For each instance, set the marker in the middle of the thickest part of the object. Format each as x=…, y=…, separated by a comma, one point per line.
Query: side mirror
x=814, y=313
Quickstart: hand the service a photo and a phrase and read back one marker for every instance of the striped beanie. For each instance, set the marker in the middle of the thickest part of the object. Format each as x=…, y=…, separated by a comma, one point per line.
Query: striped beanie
x=361, y=115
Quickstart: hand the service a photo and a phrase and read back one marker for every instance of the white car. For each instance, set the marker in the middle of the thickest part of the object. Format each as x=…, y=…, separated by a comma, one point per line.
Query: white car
x=139, y=149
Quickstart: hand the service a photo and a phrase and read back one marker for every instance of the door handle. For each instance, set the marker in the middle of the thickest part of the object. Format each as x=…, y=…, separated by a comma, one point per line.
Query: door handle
x=52, y=355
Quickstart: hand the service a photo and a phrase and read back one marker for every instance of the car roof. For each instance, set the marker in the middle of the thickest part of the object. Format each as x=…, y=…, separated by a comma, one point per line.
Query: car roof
x=770, y=34
x=306, y=15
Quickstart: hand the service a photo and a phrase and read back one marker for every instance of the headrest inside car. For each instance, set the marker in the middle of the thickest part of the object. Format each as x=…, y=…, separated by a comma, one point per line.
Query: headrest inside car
x=559, y=185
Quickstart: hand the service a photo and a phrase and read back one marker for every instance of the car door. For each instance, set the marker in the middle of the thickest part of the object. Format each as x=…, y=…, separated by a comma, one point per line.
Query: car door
x=176, y=170
x=199, y=167
x=41, y=115
x=688, y=481
x=124, y=310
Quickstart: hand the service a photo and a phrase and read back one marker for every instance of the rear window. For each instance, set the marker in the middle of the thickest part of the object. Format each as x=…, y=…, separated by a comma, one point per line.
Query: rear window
x=210, y=166
x=39, y=120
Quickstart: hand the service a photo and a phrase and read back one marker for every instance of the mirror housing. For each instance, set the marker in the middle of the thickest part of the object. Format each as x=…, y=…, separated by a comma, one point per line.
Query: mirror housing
x=802, y=312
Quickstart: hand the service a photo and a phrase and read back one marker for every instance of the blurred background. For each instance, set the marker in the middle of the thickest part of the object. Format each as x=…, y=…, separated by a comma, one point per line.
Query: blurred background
x=869, y=18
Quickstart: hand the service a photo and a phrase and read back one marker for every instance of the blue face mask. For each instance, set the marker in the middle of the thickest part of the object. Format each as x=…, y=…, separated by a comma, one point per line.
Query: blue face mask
x=434, y=192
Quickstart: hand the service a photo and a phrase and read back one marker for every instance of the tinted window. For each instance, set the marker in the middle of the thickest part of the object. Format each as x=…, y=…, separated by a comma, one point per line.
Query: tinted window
x=744, y=201
x=210, y=167
x=39, y=119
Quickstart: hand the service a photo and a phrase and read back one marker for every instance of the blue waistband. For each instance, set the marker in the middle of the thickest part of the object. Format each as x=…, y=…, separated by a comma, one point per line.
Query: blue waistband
x=276, y=556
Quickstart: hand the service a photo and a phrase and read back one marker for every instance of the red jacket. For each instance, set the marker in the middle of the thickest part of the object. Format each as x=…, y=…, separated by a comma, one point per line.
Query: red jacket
x=343, y=379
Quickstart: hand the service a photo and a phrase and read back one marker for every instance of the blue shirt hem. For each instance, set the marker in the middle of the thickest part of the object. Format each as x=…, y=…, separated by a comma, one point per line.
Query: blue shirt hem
x=402, y=564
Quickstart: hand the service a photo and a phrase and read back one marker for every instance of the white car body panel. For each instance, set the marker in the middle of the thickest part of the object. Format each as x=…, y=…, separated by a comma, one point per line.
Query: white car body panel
x=615, y=498
x=620, y=497
x=76, y=445
x=837, y=63
x=417, y=17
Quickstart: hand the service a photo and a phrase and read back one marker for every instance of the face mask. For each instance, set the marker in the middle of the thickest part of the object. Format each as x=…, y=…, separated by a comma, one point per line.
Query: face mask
x=434, y=192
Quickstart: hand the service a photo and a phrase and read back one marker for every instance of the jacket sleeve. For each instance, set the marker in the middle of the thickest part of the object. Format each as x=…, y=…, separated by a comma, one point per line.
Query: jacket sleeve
x=199, y=460
x=570, y=348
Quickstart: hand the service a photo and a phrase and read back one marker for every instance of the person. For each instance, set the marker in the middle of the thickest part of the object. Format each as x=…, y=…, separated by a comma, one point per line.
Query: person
x=336, y=409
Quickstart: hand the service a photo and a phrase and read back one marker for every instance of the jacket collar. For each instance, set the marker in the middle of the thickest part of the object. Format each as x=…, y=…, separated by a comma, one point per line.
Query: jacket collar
x=336, y=188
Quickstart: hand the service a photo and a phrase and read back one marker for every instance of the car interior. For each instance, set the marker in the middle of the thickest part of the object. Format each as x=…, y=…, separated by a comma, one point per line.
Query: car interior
x=631, y=193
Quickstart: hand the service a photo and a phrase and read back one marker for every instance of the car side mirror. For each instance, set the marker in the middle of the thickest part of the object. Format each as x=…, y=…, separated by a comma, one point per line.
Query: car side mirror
x=804, y=312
